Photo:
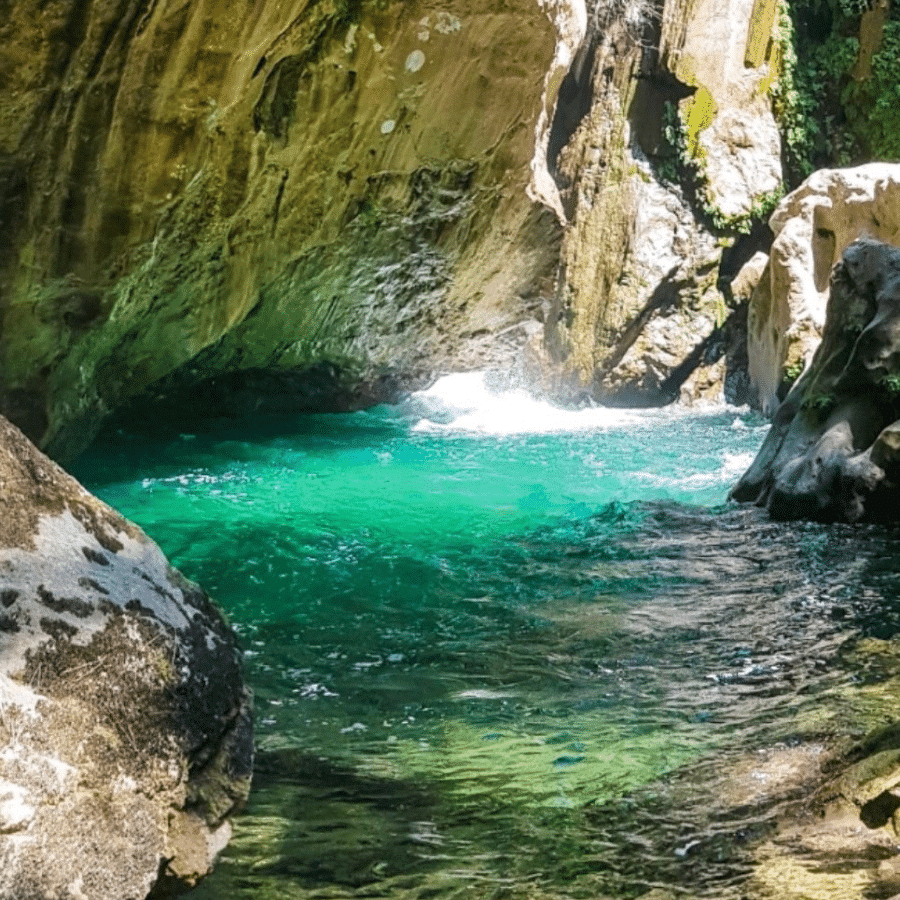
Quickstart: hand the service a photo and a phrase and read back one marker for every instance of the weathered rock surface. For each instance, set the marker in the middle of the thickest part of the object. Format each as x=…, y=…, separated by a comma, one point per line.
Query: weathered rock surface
x=188, y=192
x=323, y=202
x=833, y=452
x=675, y=151
x=725, y=51
x=125, y=733
x=813, y=226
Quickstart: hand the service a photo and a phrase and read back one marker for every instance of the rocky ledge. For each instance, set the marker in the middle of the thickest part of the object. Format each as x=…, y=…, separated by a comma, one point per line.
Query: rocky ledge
x=833, y=452
x=125, y=727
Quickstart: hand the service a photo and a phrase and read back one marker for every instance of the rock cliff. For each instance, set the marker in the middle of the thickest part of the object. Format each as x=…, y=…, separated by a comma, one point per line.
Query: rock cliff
x=315, y=204
x=125, y=735
x=813, y=226
x=334, y=191
x=663, y=180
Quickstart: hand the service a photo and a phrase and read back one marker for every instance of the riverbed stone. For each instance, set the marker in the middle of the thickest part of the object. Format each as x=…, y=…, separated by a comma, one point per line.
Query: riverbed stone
x=125, y=726
x=813, y=226
x=831, y=452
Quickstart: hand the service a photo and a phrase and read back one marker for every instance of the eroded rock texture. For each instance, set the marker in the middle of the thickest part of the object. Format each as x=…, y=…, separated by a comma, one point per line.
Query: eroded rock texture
x=660, y=180
x=125, y=733
x=813, y=226
x=316, y=204
x=833, y=452
x=191, y=189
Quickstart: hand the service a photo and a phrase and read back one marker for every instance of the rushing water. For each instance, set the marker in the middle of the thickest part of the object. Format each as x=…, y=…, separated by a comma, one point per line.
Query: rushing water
x=502, y=650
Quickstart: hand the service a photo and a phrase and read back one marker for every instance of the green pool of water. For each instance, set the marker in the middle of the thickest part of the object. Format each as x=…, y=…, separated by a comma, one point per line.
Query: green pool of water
x=496, y=646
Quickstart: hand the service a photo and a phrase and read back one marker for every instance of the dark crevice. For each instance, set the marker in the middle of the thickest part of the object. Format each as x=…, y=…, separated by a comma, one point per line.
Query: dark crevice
x=573, y=103
x=276, y=211
x=708, y=351
x=745, y=246
x=77, y=24
x=190, y=399
x=879, y=810
x=109, y=34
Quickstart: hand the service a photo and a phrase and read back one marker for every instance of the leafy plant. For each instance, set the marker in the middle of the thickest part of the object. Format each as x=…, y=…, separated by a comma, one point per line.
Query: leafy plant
x=827, y=112
x=794, y=370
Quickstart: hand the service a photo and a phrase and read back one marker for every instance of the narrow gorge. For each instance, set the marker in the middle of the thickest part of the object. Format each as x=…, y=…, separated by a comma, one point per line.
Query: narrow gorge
x=439, y=342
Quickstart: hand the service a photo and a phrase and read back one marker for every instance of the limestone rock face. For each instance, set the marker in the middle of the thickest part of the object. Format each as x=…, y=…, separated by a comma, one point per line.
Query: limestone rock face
x=320, y=203
x=125, y=734
x=833, y=452
x=317, y=204
x=190, y=191
x=813, y=226
x=660, y=181
x=722, y=49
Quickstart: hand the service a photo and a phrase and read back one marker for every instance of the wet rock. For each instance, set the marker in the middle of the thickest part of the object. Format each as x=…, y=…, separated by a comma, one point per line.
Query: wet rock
x=125, y=731
x=831, y=452
x=813, y=226
x=336, y=186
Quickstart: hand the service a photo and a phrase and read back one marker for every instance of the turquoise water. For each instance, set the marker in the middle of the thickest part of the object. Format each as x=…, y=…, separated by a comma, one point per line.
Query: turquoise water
x=501, y=650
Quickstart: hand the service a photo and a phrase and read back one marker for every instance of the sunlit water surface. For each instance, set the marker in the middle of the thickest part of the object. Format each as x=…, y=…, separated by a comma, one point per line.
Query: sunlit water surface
x=502, y=650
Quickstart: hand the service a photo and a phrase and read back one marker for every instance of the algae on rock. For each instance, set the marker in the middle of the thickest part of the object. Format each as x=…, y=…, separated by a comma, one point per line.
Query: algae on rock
x=124, y=720
x=199, y=193
x=664, y=181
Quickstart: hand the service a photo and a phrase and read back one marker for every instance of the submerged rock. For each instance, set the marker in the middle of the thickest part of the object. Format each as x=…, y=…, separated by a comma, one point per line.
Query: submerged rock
x=125, y=728
x=833, y=452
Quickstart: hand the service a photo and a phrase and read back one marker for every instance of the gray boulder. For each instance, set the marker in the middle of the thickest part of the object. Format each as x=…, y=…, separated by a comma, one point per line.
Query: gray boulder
x=125, y=727
x=833, y=452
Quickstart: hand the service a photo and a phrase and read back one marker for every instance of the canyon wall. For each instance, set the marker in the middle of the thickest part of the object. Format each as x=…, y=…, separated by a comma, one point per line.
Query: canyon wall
x=315, y=205
x=665, y=181
x=318, y=204
x=334, y=191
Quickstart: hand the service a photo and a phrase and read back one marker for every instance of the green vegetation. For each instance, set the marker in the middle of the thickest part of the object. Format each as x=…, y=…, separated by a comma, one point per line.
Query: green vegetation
x=761, y=209
x=684, y=163
x=794, y=371
x=819, y=405
x=831, y=110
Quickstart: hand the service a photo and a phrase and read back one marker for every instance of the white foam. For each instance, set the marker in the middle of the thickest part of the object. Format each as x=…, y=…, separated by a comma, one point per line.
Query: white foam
x=732, y=467
x=465, y=403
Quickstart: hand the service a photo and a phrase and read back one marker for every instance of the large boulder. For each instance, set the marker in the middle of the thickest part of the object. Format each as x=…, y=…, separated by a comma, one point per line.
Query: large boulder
x=125, y=730
x=833, y=452
x=813, y=226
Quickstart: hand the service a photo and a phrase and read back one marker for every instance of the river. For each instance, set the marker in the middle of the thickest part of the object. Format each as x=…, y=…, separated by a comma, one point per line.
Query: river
x=501, y=650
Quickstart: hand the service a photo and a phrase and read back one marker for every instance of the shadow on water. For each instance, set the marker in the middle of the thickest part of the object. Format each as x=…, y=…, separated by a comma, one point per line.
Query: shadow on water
x=595, y=708
x=215, y=445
